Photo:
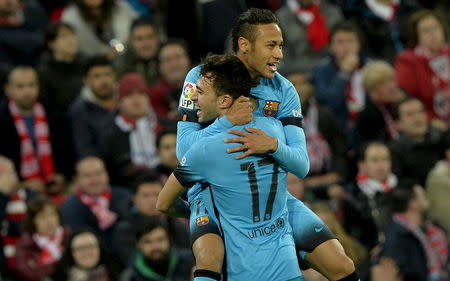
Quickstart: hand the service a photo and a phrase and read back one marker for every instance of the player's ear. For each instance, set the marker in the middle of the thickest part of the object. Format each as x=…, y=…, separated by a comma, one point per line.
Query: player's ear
x=225, y=101
x=243, y=44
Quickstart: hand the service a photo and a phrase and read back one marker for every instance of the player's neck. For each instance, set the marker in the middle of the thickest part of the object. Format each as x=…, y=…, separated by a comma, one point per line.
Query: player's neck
x=254, y=74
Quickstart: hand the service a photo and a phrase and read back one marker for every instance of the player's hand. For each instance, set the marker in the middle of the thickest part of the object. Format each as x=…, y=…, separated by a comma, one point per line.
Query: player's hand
x=240, y=112
x=254, y=141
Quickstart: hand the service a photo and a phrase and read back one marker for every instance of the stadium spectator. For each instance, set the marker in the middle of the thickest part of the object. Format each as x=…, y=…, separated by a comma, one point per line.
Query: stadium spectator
x=174, y=64
x=102, y=26
x=423, y=70
x=325, y=141
x=305, y=25
x=85, y=258
x=155, y=257
x=141, y=52
x=382, y=92
x=166, y=142
x=21, y=31
x=419, y=145
x=366, y=214
x=42, y=243
x=95, y=106
x=419, y=249
x=13, y=208
x=129, y=146
x=338, y=81
x=438, y=190
x=145, y=193
x=95, y=203
x=61, y=67
x=32, y=136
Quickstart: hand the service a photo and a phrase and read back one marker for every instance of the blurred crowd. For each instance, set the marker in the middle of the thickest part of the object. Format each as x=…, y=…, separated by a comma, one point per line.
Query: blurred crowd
x=89, y=92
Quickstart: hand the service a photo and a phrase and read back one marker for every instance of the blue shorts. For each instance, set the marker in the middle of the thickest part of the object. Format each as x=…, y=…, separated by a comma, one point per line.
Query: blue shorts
x=308, y=230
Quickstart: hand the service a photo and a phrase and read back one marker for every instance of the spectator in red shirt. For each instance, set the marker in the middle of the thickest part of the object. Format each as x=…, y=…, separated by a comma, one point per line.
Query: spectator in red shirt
x=423, y=70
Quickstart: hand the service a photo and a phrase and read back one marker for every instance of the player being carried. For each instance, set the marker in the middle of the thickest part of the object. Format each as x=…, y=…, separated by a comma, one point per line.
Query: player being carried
x=257, y=42
x=248, y=195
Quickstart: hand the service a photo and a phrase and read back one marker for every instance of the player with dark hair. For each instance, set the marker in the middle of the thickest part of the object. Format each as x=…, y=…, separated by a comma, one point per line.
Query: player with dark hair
x=257, y=41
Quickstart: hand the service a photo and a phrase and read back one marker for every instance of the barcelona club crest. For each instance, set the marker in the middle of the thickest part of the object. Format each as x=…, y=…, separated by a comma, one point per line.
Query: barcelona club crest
x=204, y=220
x=271, y=108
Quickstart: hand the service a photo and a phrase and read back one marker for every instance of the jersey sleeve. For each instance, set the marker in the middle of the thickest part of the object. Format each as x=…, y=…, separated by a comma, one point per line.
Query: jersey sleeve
x=189, y=130
x=291, y=111
x=188, y=171
x=292, y=155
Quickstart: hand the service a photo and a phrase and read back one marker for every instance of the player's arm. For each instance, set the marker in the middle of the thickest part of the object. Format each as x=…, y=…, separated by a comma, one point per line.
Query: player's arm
x=169, y=201
x=292, y=155
x=189, y=131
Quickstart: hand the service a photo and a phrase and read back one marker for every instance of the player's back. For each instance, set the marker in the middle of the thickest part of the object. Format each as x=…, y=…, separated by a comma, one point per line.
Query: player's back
x=248, y=199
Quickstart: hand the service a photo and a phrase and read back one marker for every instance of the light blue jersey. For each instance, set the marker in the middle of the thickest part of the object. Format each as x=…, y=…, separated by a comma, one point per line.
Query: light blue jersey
x=276, y=98
x=248, y=198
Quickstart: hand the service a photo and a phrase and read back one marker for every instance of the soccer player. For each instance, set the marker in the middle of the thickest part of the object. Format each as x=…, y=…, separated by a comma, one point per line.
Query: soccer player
x=257, y=42
x=249, y=195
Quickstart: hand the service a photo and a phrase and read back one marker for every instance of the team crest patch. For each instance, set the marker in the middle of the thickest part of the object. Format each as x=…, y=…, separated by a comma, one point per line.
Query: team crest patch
x=271, y=108
x=204, y=220
x=188, y=91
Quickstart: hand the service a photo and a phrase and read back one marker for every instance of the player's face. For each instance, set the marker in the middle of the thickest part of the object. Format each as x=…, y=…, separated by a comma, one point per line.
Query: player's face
x=101, y=80
x=145, y=41
x=413, y=119
x=135, y=105
x=205, y=100
x=146, y=197
x=266, y=51
x=23, y=88
x=377, y=162
x=155, y=245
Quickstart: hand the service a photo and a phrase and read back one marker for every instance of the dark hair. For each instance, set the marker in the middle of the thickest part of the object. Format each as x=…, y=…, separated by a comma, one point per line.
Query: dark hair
x=401, y=197
x=397, y=105
x=416, y=18
x=147, y=177
x=175, y=41
x=229, y=74
x=162, y=133
x=345, y=26
x=94, y=62
x=365, y=146
x=67, y=260
x=142, y=21
x=34, y=206
x=245, y=26
x=106, y=8
x=147, y=224
x=51, y=33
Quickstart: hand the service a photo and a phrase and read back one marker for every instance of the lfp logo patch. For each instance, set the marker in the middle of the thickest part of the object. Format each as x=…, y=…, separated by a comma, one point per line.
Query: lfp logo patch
x=271, y=108
x=204, y=220
x=186, y=94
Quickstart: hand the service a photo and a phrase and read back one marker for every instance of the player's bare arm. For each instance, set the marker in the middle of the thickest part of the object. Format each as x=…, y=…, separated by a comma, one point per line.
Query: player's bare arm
x=169, y=201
